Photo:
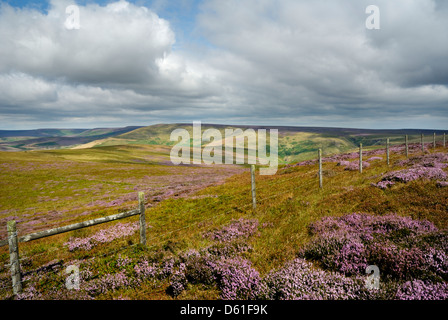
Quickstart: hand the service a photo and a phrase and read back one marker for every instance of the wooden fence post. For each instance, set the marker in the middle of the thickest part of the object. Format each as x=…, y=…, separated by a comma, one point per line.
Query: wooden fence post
x=434, y=141
x=360, y=157
x=320, y=168
x=406, y=145
x=421, y=141
x=387, y=151
x=14, y=257
x=252, y=181
x=141, y=207
x=444, y=141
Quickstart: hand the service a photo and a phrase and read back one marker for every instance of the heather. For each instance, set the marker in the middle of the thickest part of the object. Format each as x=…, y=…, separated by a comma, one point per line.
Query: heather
x=421, y=290
x=354, y=165
x=427, y=166
x=402, y=248
x=221, y=265
x=242, y=228
x=435, y=160
x=407, y=175
x=299, y=279
x=120, y=230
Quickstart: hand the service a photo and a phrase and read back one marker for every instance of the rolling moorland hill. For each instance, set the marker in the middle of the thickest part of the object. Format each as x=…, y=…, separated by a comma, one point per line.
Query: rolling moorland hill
x=295, y=143
x=206, y=242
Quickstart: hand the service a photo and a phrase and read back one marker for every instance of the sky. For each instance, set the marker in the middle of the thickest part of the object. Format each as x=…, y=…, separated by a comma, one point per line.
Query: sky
x=264, y=62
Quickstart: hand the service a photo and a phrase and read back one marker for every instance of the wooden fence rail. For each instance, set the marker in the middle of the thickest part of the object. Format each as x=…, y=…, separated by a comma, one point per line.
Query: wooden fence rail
x=13, y=240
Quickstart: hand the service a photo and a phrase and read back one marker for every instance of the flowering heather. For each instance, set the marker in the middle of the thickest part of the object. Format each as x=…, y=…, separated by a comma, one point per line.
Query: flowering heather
x=178, y=280
x=166, y=267
x=145, y=270
x=435, y=160
x=242, y=228
x=199, y=267
x=108, y=282
x=218, y=265
x=421, y=290
x=354, y=165
x=299, y=279
x=399, y=246
x=416, y=173
x=407, y=175
x=374, y=158
x=122, y=262
x=233, y=275
x=383, y=184
x=237, y=279
x=120, y=230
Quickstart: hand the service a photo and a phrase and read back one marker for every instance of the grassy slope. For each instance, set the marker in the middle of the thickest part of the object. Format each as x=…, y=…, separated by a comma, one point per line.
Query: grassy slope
x=287, y=202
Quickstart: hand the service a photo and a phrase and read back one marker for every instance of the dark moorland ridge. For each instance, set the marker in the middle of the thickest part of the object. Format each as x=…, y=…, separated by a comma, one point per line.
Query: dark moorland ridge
x=55, y=138
x=66, y=132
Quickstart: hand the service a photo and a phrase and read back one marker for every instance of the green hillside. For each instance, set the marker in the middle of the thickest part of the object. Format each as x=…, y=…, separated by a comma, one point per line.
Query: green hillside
x=294, y=144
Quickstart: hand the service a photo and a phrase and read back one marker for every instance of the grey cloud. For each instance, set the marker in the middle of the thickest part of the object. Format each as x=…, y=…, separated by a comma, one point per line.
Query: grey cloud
x=317, y=57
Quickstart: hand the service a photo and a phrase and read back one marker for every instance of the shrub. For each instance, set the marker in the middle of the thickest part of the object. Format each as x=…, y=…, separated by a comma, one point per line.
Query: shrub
x=298, y=279
x=242, y=228
x=421, y=290
x=401, y=247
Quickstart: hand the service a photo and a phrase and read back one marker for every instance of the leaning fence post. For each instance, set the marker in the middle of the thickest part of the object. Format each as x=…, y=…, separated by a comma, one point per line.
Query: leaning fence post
x=360, y=157
x=141, y=207
x=387, y=150
x=320, y=168
x=423, y=147
x=252, y=181
x=406, y=145
x=14, y=257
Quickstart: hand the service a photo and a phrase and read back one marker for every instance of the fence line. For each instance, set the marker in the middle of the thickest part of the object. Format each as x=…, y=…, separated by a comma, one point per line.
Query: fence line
x=12, y=241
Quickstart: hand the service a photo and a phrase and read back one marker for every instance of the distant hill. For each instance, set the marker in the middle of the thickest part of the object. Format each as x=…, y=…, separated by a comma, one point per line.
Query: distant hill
x=295, y=143
x=18, y=140
x=40, y=133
